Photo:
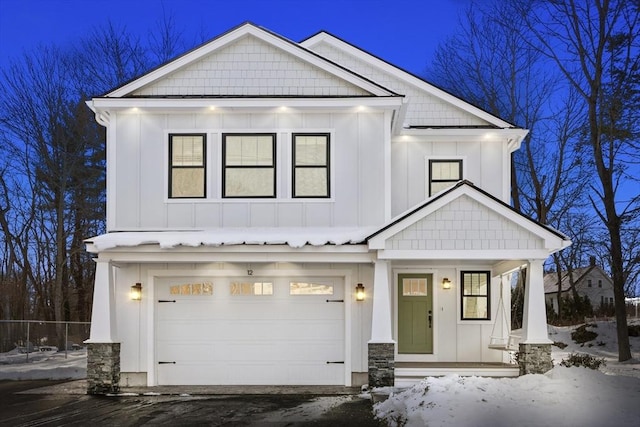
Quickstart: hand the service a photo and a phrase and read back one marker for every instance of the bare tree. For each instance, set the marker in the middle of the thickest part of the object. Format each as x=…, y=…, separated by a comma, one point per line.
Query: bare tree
x=494, y=67
x=52, y=166
x=594, y=44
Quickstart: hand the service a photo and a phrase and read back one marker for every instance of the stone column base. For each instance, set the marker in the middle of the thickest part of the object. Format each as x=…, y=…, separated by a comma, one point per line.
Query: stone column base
x=103, y=368
x=534, y=358
x=381, y=364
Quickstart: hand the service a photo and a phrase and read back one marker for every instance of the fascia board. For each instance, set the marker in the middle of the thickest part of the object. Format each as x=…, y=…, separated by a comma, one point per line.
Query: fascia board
x=513, y=136
x=406, y=77
x=390, y=102
x=236, y=34
x=487, y=255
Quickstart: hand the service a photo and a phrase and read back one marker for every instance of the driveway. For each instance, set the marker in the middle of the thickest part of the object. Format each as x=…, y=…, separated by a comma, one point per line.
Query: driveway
x=27, y=403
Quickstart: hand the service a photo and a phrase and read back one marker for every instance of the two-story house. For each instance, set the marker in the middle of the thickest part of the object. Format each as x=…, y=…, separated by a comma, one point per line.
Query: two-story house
x=305, y=213
x=590, y=282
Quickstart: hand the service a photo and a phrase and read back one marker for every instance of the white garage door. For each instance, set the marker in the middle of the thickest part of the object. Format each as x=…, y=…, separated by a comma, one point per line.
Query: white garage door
x=250, y=331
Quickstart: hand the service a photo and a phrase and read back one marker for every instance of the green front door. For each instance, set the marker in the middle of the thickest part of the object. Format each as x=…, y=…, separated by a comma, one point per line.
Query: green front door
x=415, y=313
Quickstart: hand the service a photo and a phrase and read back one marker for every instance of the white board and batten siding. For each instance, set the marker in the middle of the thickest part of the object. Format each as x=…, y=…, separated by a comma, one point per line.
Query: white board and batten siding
x=216, y=337
x=139, y=172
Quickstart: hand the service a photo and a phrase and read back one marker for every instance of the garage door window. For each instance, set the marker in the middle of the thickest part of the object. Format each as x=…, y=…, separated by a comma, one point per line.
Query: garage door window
x=308, y=288
x=251, y=288
x=205, y=288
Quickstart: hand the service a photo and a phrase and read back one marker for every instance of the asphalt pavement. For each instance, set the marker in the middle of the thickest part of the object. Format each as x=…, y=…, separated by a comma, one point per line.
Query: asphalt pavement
x=59, y=403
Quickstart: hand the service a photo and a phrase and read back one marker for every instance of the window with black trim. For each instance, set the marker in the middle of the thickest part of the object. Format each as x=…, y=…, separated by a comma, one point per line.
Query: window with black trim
x=187, y=166
x=443, y=174
x=310, y=165
x=249, y=165
x=475, y=294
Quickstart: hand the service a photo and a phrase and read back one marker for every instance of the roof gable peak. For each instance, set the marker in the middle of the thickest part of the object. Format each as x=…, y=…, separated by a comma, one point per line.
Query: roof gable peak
x=249, y=29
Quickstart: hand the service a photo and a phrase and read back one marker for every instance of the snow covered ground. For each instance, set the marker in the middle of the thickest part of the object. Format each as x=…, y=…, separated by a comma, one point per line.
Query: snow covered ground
x=43, y=365
x=574, y=396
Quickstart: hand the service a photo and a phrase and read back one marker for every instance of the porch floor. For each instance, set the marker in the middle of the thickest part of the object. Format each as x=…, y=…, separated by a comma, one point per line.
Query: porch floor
x=409, y=373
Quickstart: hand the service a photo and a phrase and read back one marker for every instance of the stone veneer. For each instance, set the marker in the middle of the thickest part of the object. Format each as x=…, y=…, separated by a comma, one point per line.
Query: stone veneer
x=381, y=364
x=534, y=358
x=103, y=368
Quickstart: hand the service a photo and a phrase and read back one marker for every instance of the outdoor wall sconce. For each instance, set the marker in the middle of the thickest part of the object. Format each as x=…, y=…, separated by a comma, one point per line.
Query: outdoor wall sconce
x=136, y=292
x=360, y=292
x=446, y=283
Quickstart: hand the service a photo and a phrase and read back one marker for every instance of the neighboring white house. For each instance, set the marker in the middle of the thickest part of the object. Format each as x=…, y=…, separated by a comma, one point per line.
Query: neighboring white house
x=591, y=282
x=254, y=184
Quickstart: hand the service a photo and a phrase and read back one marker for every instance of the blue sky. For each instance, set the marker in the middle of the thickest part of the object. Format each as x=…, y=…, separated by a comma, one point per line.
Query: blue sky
x=403, y=32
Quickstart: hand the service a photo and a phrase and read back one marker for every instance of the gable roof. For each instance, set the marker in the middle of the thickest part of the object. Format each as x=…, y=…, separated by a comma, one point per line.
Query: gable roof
x=577, y=275
x=406, y=76
x=553, y=239
x=366, y=86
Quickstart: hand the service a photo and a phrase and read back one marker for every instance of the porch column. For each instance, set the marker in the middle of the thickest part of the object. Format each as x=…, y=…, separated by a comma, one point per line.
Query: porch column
x=381, y=346
x=103, y=352
x=535, y=347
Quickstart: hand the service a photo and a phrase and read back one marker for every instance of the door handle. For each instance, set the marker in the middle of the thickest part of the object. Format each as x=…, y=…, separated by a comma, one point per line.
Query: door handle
x=430, y=319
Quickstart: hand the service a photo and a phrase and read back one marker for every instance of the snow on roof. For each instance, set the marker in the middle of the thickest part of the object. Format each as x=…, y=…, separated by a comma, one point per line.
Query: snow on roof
x=295, y=237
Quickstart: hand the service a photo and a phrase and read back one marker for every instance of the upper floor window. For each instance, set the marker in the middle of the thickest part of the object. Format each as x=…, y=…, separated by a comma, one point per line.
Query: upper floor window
x=475, y=294
x=187, y=166
x=310, y=165
x=443, y=174
x=599, y=283
x=248, y=165
x=589, y=283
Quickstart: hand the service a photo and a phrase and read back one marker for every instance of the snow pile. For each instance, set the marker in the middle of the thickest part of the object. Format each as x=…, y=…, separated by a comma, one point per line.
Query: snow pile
x=562, y=397
x=295, y=237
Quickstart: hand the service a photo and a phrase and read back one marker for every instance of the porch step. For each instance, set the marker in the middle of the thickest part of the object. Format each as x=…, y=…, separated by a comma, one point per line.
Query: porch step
x=410, y=373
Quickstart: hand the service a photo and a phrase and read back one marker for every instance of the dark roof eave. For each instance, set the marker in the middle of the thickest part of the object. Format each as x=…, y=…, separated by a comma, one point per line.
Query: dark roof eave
x=250, y=97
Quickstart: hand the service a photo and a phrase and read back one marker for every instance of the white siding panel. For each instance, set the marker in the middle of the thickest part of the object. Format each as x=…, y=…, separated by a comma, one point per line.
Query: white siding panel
x=212, y=120
x=291, y=214
x=236, y=121
x=291, y=120
x=492, y=164
x=127, y=172
x=399, y=177
x=235, y=215
x=207, y=215
x=250, y=66
x=181, y=121
x=264, y=121
x=446, y=316
x=154, y=164
x=423, y=109
x=180, y=215
x=346, y=169
x=263, y=214
x=318, y=120
x=465, y=224
x=469, y=343
x=131, y=324
x=141, y=171
x=318, y=215
x=371, y=167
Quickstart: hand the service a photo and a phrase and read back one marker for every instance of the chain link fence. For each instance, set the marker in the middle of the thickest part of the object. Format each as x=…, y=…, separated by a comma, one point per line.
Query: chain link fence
x=31, y=336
